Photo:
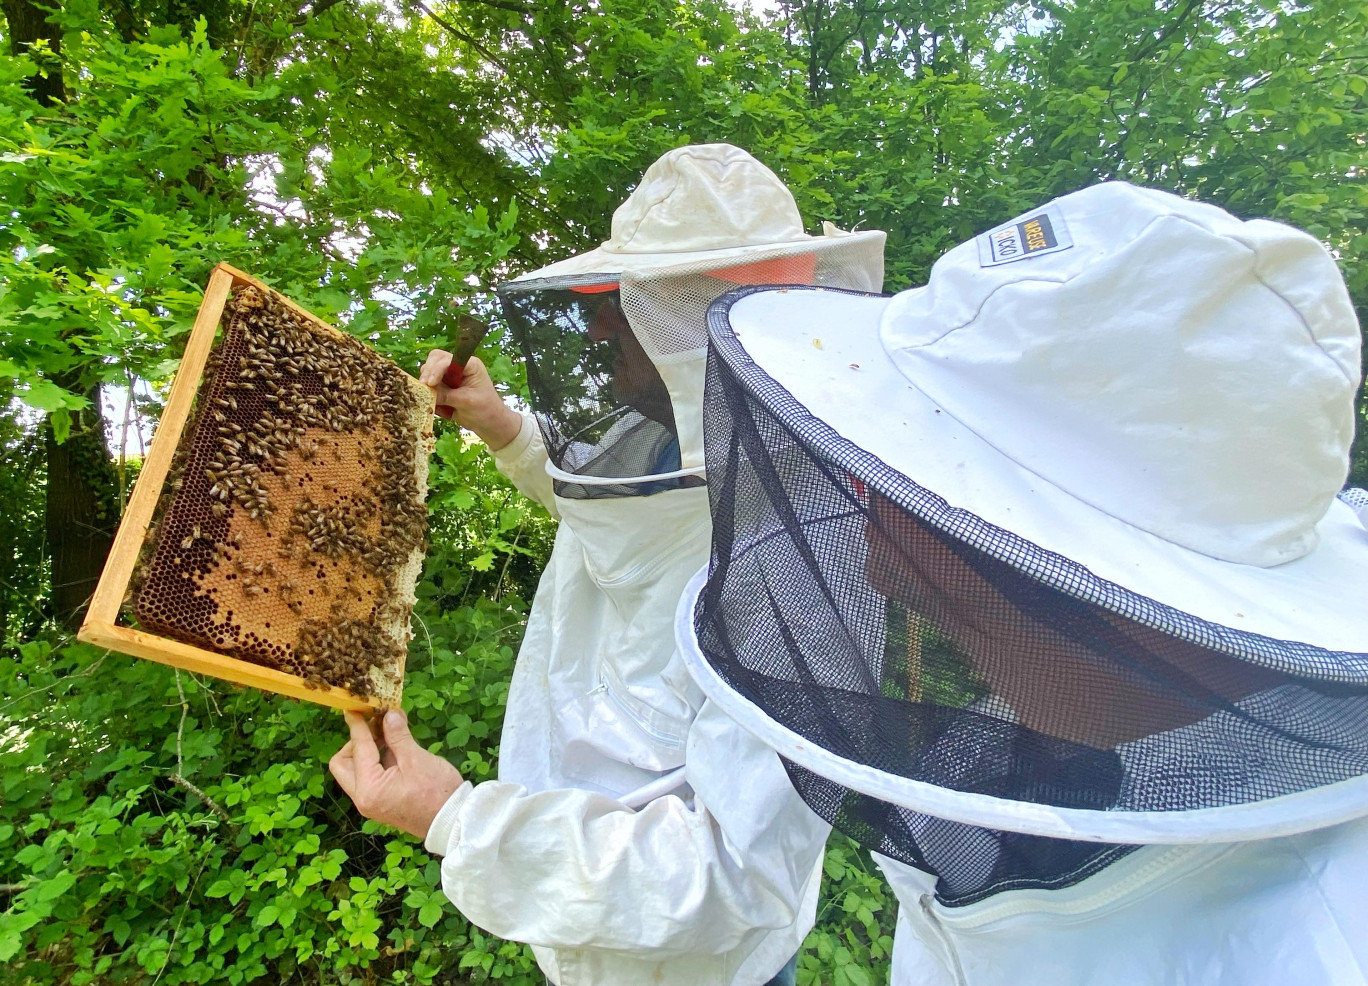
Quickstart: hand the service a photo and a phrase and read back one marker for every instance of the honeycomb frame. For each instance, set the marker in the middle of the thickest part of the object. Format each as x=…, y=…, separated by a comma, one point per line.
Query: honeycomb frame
x=137, y=536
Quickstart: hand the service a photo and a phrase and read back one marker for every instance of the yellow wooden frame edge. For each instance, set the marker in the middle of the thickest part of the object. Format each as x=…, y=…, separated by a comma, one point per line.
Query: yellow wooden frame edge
x=164, y=650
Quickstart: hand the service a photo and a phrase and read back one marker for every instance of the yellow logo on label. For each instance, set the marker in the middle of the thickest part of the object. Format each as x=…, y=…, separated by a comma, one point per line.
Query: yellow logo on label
x=1035, y=235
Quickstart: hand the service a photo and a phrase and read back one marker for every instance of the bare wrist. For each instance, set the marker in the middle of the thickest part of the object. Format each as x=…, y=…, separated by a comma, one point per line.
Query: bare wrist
x=502, y=429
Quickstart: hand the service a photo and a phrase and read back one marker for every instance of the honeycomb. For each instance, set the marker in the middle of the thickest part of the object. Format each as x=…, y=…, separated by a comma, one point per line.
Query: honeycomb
x=292, y=527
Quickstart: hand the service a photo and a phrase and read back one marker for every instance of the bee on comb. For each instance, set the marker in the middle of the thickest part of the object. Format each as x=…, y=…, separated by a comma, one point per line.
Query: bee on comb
x=277, y=530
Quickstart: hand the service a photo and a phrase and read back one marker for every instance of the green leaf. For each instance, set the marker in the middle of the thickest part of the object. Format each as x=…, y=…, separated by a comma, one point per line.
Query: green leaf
x=856, y=975
x=10, y=941
x=119, y=929
x=47, y=396
x=54, y=887
x=431, y=912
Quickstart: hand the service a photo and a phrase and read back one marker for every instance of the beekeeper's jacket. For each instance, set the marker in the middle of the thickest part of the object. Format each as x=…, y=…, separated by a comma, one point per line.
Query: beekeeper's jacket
x=1278, y=912
x=715, y=883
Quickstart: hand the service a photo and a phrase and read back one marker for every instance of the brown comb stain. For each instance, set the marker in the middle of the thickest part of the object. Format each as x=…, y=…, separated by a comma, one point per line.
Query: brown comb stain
x=292, y=527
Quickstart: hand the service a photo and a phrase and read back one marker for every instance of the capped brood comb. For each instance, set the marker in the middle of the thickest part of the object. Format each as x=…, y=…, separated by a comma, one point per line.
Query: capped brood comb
x=276, y=531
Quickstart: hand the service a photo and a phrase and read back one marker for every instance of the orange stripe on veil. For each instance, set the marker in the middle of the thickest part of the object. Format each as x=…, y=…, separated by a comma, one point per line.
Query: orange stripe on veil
x=800, y=268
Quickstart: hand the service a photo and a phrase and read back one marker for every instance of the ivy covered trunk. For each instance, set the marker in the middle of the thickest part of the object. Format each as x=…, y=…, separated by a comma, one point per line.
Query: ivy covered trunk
x=28, y=22
x=81, y=509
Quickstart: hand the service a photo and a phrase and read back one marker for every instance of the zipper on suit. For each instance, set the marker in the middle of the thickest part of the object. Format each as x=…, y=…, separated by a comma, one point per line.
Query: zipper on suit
x=1122, y=879
x=932, y=921
x=632, y=716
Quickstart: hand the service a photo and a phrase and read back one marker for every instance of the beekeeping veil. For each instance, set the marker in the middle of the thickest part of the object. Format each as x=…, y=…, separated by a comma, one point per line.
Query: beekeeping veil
x=1049, y=557
x=615, y=338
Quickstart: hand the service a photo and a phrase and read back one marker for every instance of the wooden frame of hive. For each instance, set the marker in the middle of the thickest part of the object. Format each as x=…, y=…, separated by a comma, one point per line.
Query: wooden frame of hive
x=101, y=626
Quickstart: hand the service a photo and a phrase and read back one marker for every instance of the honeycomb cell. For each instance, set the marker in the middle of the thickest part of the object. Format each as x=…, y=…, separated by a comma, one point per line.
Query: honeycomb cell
x=291, y=529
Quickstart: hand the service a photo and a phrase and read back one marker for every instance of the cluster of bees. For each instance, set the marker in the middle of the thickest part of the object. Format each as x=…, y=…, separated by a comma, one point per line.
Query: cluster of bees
x=344, y=653
x=293, y=527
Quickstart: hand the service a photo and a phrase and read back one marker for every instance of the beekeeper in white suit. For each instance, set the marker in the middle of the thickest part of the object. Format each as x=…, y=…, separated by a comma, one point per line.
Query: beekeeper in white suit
x=634, y=835
x=1042, y=579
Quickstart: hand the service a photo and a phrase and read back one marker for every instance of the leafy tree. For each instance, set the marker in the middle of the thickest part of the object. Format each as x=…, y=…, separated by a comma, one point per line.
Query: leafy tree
x=161, y=160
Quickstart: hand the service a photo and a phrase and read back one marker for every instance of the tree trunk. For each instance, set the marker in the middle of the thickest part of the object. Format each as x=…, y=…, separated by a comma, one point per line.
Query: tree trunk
x=27, y=22
x=82, y=504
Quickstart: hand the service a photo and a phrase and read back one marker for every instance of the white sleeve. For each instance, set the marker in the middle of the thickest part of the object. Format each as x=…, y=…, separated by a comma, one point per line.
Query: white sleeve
x=573, y=869
x=523, y=460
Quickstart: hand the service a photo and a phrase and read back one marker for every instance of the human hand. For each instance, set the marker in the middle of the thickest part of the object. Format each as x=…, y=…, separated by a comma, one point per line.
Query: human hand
x=403, y=788
x=476, y=403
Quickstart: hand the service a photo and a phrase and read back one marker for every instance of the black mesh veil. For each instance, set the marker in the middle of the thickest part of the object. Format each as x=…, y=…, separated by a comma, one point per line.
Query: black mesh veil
x=603, y=407
x=862, y=613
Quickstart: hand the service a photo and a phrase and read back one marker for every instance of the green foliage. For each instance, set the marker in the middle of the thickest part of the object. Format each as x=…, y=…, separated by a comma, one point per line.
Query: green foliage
x=852, y=942
x=104, y=246
x=257, y=867
x=195, y=836
x=23, y=576
x=164, y=162
x=385, y=167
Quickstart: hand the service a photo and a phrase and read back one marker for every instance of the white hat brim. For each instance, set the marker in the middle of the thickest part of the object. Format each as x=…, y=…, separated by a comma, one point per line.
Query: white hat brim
x=823, y=348
x=601, y=261
x=1269, y=818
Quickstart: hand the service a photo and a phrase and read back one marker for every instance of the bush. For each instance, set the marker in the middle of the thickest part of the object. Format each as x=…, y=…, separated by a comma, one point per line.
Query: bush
x=163, y=827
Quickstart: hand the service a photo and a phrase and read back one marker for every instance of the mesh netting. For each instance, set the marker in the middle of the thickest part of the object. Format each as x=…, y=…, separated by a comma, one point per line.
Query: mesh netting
x=292, y=529
x=838, y=607
x=669, y=308
x=615, y=362
x=603, y=407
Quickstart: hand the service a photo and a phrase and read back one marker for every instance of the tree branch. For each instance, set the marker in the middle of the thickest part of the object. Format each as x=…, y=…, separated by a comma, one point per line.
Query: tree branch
x=178, y=778
x=1167, y=32
x=456, y=32
x=209, y=802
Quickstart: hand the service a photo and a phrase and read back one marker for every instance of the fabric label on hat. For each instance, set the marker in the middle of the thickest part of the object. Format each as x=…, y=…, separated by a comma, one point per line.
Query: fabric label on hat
x=1039, y=232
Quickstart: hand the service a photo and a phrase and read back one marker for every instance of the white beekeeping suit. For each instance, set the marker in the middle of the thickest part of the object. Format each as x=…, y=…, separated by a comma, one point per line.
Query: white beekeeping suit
x=635, y=835
x=1041, y=579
